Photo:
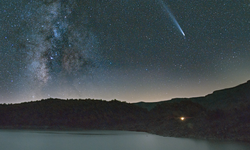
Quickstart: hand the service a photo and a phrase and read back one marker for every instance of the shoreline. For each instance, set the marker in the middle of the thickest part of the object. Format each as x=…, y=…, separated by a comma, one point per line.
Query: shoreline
x=210, y=138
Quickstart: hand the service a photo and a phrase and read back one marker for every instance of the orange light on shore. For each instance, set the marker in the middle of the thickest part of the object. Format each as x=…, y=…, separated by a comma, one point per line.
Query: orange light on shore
x=182, y=118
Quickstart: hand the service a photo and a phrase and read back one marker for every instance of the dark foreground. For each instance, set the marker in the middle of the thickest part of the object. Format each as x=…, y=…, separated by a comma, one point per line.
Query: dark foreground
x=223, y=115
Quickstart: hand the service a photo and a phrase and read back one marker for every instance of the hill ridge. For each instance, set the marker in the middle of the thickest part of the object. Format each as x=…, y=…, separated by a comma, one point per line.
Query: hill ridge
x=221, y=115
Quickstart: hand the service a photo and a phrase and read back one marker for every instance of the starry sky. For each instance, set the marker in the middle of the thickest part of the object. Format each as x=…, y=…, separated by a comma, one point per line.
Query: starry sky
x=130, y=50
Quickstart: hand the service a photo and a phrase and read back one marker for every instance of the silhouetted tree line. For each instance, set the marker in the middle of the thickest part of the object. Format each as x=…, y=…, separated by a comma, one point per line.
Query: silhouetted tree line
x=84, y=114
x=163, y=119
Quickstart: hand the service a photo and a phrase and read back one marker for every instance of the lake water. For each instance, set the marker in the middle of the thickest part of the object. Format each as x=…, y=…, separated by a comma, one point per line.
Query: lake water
x=105, y=140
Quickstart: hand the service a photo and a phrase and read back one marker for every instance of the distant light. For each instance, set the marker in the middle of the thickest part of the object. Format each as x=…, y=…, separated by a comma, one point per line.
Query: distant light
x=182, y=118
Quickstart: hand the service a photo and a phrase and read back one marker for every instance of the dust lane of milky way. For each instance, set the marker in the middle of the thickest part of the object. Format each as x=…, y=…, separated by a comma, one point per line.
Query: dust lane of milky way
x=126, y=50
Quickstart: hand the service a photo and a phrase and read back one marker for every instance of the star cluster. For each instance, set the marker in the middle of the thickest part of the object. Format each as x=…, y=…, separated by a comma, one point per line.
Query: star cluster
x=128, y=50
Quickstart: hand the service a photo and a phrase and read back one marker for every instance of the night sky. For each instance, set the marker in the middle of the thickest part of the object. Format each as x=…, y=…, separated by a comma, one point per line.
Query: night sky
x=130, y=50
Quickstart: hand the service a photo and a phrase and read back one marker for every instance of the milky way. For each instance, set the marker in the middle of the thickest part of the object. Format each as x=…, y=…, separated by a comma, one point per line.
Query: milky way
x=131, y=50
x=58, y=52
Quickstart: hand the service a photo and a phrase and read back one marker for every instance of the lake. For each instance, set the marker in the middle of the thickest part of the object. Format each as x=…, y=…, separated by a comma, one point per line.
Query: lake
x=105, y=140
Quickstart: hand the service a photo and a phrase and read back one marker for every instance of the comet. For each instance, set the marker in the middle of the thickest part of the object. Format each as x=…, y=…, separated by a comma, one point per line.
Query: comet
x=166, y=9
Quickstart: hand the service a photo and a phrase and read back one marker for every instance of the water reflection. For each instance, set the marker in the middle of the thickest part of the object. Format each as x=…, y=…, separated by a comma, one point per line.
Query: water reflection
x=106, y=140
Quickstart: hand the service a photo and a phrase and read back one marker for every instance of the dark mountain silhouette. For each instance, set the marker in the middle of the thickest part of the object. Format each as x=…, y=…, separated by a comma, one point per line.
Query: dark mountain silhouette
x=220, y=99
x=224, y=115
x=72, y=114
